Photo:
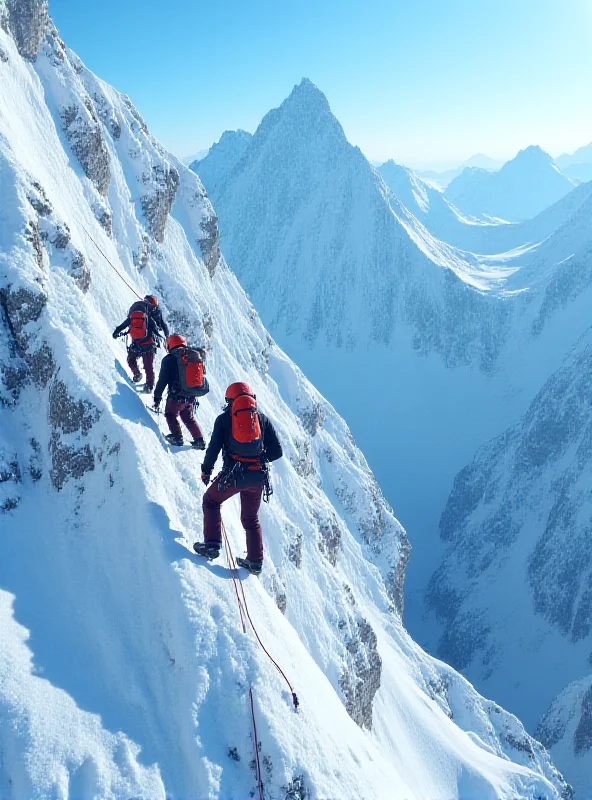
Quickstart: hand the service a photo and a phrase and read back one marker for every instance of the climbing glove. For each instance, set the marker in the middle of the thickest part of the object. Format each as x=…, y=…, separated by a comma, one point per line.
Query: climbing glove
x=115, y=334
x=205, y=478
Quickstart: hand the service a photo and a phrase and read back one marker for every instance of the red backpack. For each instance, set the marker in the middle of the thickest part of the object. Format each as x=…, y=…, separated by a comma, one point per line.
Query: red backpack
x=139, y=327
x=246, y=439
x=192, y=379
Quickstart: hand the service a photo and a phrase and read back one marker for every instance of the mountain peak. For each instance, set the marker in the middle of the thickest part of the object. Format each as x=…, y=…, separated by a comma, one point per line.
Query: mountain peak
x=532, y=155
x=306, y=93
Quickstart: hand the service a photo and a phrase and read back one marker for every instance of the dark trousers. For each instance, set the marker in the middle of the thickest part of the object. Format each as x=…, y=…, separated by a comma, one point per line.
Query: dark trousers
x=148, y=359
x=250, y=499
x=184, y=409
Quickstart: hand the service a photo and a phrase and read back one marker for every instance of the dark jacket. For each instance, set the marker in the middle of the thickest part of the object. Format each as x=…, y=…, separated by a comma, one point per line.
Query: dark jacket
x=156, y=322
x=221, y=437
x=169, y=376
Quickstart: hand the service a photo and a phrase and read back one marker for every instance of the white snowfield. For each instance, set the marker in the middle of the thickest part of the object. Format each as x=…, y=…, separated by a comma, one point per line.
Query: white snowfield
x=124, y=671
x=449, y=349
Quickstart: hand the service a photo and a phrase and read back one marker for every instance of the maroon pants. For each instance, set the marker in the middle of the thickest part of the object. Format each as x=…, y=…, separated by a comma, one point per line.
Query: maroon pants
x=183, y=409
x=147, y=358
x=250, y=499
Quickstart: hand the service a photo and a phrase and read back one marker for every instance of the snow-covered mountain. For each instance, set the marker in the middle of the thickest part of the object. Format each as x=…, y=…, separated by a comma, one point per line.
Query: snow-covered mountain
x=442, y=175
x=123, y=667
x=429, y=205
x=428, y=351
x=578, y=165
x=521, y=189
x=521, y=514
x=221, y=159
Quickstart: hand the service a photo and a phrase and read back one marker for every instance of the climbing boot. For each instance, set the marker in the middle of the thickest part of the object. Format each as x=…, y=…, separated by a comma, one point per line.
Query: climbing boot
x=147, y=389
x=137, y=377
x=198, y=444
x=207, y=550
x=254, y=567
x=174, y=439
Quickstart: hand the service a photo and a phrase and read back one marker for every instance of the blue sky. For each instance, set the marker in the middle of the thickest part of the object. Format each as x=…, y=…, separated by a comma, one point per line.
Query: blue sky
x=415, y=80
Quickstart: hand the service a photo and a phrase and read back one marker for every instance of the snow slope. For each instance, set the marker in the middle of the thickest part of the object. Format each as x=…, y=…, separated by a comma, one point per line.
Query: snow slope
x=221, y=158
x=429, y=352
x=123, y=668
x=523, y=509
x=521, y=189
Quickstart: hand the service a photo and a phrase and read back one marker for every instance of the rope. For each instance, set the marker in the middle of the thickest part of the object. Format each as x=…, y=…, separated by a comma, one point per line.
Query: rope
x=129, y=286
x=244, y=606
x=234, y=570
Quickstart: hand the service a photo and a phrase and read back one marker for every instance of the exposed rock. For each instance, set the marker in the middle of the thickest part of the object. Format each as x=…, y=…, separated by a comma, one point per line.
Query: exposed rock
x=10, y=478
x=39, y=200
x=294, y=552
x=302, y=462
x=297, y=789
x=210, y=243
x=583, y=735
x=35, y=461
x=84, y=134
x=21, y=307
x=208, y=325
x=361, y=676
x=28, y=21
x=33, y=236
x=3, y=56
x=330, y=538
x=158, y=201
x=312, y=417
x=135, y=114
x=69, y=416
x=105, y=218
x=60, y=238
x=142, y=256
x=80, y=271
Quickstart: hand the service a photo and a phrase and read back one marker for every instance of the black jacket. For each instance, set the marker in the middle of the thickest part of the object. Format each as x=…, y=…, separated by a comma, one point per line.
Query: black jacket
x=169, y=376
x=156, y=322
x=221, y=437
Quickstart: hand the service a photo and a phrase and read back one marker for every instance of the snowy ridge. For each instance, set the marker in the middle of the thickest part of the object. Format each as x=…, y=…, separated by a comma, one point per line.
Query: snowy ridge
x=123, y=669
x=520, y=190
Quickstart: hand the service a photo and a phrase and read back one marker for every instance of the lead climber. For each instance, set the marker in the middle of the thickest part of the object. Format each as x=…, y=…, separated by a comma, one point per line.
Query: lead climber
x=248, y=442
x=144, y=323
x=183, y=371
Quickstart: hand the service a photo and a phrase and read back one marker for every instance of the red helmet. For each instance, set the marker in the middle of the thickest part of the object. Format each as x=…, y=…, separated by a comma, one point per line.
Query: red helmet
x=236, y=390
x=151, y=299
x=176, y=341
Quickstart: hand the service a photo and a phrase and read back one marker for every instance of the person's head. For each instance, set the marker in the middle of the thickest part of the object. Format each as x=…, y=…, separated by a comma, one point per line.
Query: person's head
x=236, y=390
x=151, y=299
x=175, y=341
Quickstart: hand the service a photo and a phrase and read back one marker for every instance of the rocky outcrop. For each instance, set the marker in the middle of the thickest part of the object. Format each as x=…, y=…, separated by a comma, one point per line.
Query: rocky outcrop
x=10, y=480
x=210, y=243
x=72, y=418
x=158, y=200
x=28, y=21
x=360, y=679
x=83, y=131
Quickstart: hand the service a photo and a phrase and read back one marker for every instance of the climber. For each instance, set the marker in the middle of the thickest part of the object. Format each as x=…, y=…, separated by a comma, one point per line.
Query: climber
x=143, y=323
x=248, y=442
x=183, y=371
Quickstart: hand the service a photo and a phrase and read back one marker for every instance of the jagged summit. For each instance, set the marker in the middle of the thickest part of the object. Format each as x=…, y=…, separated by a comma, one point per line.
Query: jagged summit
x=533, y=155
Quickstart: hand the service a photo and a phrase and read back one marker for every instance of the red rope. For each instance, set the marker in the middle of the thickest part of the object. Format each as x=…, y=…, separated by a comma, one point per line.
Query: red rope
x=234, y=570
x=246, y=611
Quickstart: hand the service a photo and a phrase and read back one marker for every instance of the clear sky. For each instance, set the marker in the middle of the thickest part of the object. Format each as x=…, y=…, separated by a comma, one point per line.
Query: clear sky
x=415, y=80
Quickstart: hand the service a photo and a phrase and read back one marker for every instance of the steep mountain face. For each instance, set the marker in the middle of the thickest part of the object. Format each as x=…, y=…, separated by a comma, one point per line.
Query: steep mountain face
x=124, y=670
x=577, y=165
x=521, y=513
x=221, y=158
x=428, y=352
x=520, y=190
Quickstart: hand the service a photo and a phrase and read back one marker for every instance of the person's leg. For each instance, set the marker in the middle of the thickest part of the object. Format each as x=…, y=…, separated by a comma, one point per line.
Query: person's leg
x=189, y=420
x=250, y=504
x=212, y=518
x=148, y=359
x=132, y=362
x=171, y=411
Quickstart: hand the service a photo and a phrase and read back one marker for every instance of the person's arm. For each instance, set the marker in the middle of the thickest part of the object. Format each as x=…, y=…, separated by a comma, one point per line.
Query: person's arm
x=160, y=323
x=214, y=447
x=273, y=448
x=121, y=327
x=164, y=379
